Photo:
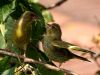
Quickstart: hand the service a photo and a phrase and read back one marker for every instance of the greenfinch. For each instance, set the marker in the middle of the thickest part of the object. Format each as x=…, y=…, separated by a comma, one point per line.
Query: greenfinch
x=22, y=30
x=56, y=49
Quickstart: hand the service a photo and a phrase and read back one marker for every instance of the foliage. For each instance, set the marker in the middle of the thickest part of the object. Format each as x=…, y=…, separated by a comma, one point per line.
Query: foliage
x=10, y=12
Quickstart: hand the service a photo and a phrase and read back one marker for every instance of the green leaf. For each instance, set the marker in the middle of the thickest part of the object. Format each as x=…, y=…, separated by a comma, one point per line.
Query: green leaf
x=32, y=52
x=33, y=1
x=32, y=7
x=2, y=41
x=47, y=16
x=2, y=29
x=9, y=25
x=38, y=29
x=4, y=64
x=6, y=8
x=9, y=71
x=45, y=71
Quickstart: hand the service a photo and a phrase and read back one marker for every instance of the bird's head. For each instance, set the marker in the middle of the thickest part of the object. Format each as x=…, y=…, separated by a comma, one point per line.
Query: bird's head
x=29, y=16
x=53, y=30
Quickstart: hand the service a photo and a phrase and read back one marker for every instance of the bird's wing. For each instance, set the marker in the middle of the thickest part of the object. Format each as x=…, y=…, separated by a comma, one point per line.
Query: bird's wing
x=66, y=52
x=63, y=44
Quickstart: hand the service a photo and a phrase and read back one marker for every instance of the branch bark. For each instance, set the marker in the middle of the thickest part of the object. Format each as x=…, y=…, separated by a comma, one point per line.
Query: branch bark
x=60, y=2
x=29, y=60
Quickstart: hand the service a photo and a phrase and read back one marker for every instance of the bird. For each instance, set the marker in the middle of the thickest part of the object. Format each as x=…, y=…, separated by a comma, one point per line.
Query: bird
x=22, y=30
x=55, y=48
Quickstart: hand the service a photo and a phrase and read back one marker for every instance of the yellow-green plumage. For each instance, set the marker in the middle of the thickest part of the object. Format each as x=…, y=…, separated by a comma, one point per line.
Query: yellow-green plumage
x=22, y=30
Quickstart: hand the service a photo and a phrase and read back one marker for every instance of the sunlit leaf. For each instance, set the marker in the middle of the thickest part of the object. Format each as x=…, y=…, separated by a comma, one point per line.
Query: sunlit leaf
x=47, y=16
x=2, y=41
x=6, y=7
x=9, y=71
x=33, y=1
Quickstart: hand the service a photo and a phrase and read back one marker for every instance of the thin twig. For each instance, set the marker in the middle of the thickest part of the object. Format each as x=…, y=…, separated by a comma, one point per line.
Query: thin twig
x=97, y=20
x=29, y=60
x=59, y=3
x=95, y=61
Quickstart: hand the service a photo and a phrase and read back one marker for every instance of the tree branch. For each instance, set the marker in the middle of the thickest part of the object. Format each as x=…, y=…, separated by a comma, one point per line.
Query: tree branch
x=29, y=60
x=94, y=58
x=59, y=3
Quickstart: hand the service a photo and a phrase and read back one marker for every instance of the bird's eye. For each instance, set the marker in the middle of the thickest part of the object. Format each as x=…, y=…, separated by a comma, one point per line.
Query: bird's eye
x=32, y=15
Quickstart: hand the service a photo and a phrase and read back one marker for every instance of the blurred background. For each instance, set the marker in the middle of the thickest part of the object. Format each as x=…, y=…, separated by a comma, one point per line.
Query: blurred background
x=79, y=21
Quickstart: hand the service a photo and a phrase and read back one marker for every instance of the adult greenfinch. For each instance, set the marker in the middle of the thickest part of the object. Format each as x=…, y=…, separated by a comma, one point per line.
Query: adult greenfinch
x=22, y=30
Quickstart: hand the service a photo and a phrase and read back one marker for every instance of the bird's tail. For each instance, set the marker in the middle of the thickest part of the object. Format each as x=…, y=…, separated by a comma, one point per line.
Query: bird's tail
x=81, y=58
